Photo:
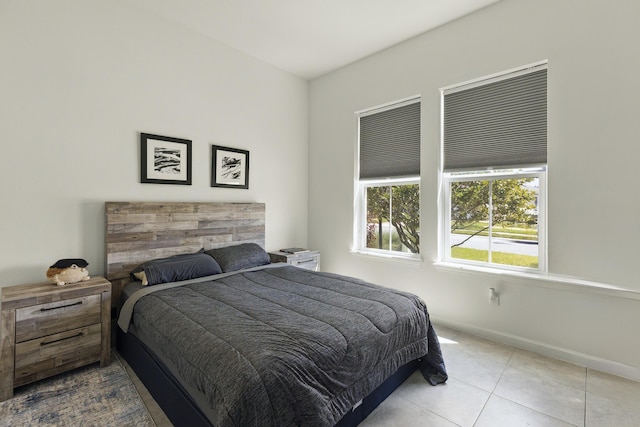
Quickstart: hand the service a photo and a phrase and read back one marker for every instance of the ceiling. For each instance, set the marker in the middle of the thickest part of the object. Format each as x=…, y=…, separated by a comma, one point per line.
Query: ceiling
x=309, y=38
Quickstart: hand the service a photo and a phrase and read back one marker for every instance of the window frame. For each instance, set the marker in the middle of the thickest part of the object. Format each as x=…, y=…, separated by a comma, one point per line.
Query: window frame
x=530, y=171
x=360, y=234
x=359, y=240
x=520, y=166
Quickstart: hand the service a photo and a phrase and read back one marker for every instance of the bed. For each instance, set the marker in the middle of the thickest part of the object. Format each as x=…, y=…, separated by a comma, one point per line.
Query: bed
x=221, y=336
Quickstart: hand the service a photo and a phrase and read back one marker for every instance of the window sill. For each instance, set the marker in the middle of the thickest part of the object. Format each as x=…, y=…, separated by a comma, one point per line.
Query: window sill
x=552, y=281
x=388, y=255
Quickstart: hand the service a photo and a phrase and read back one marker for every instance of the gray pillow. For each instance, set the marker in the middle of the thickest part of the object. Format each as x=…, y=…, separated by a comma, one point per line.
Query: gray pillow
x=176, y=268
x=238, y=257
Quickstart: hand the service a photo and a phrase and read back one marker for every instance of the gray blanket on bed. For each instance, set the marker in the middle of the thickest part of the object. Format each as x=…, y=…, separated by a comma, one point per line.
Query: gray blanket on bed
x=286, y=346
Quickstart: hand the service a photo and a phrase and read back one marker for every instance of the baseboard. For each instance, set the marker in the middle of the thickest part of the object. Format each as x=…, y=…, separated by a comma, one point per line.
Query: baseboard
x=581, y=359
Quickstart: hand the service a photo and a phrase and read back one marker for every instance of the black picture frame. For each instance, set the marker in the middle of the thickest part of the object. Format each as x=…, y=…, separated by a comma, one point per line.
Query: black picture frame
x=165, y=160
x=229, y=167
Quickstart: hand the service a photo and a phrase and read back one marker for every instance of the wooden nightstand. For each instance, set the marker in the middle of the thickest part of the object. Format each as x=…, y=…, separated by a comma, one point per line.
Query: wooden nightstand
x=309, y=260
x=47, y=329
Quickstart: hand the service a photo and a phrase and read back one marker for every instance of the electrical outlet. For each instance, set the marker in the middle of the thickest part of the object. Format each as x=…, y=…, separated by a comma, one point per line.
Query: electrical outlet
x=494, y=297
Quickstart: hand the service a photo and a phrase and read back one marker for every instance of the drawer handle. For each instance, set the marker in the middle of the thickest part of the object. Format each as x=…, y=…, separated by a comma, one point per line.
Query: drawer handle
x=61, y=306
x=306, y=261
x=79, y=334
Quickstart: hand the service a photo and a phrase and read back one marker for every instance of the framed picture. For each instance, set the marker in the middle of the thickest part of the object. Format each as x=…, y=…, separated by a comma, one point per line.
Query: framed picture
x=230, y=167
x=164, y=160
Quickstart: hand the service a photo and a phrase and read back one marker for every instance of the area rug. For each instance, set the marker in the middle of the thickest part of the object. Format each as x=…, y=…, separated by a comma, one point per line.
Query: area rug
x=89, y=396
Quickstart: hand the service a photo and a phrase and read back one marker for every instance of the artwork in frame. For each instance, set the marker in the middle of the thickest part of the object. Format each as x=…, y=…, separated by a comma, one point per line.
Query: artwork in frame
x=164, y=160
x=230, y=167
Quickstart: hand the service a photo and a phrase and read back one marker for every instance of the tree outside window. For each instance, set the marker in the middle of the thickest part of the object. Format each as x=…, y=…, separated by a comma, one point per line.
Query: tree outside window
x=495, y=221
x=393, y=217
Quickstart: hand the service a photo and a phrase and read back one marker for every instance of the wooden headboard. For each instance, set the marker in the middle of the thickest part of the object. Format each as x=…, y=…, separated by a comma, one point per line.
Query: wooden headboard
x=141, y=231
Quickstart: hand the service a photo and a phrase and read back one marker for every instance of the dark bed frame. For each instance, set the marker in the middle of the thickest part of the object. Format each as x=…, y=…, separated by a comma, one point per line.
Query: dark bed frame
x=181, y=410
x=136, y=232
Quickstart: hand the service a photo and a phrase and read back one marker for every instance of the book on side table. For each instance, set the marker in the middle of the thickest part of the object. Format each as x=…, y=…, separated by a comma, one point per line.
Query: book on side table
x=294, y=250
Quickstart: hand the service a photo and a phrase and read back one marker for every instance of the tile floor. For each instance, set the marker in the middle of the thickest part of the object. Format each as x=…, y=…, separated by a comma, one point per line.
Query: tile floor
x=491, y=384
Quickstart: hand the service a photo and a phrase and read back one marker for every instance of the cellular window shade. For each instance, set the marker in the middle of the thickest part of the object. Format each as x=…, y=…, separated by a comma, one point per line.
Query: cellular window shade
x=499, y=124
x=390, y=143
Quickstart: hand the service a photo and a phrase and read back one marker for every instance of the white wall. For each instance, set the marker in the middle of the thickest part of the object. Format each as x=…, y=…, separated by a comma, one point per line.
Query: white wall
x=593, y=153
x=80, y=79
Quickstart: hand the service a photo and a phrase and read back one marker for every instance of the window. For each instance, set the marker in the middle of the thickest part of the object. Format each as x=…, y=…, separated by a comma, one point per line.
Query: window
x=494, y=171
x=388, y=187
x=494, y=217
x=393, y=215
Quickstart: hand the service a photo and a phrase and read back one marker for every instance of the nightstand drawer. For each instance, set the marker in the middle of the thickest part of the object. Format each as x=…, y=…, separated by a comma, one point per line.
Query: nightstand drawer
x=52, y=354
x=310, y=262
x=46, y=319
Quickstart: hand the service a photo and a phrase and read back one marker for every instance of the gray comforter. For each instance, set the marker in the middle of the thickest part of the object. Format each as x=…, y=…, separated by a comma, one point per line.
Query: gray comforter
x=286, y=346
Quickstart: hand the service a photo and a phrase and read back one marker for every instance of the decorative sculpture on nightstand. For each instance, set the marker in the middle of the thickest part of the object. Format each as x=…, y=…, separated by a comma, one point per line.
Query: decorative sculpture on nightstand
x=68, y=270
